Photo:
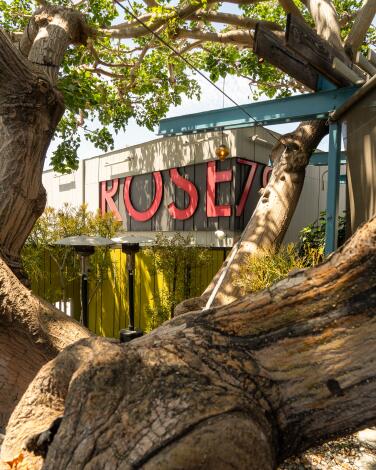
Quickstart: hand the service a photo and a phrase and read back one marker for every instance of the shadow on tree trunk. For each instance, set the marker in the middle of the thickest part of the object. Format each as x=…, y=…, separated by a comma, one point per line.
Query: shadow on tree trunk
x=240, y=386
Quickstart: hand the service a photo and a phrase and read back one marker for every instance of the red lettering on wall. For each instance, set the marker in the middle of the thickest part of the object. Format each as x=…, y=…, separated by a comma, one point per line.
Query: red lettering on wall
x=213, y=177
x=266, y=175
x=188, y=187
x=143, y=216
x=106, y=198
x=247, y=186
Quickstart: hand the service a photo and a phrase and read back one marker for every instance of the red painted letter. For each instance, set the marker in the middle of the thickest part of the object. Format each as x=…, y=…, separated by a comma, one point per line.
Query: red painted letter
x=143, y=216
x=266, y=175
x=248, y=184
x=213, y=177
x=106, y=198
x=188, y=187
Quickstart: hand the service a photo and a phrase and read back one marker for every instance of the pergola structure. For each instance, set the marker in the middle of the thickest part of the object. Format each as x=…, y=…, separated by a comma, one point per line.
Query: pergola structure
x=318, y=105
x=333, y=75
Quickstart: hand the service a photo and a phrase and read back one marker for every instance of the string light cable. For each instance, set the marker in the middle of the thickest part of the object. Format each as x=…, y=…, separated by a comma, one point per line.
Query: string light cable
x=193, y=67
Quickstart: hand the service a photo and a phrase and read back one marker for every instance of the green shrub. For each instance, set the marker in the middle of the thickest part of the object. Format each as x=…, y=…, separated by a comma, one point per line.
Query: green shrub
x=313, y=236
x=262, y=269
x=175, y=258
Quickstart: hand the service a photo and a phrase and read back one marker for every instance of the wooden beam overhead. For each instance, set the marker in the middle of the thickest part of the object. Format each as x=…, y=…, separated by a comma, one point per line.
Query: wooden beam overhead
x=305, y=42
x=347, y=72
x=371, y=56
x=364, y=64
x=269, y=46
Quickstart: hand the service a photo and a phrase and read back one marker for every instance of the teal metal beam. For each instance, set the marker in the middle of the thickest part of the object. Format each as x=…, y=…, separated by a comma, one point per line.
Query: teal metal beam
x=321, y=159
x=334, y=166
x=294, y=108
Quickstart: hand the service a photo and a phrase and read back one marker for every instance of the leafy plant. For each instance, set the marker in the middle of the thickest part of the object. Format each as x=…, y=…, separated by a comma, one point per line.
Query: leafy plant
x=313, y=235
x=54, y=225
x=175, y=258
x=262, y=269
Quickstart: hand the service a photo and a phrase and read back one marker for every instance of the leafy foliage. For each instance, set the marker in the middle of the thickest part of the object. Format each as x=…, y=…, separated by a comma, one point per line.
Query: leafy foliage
x=176, y=259
x=313, y=236
x=109, y=81
x=56, y=224
x=266, y=267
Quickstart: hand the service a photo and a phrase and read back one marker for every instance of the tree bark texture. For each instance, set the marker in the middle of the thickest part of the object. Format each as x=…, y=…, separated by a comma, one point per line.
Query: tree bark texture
x=362, y=22
x=30, y=109
x=32, y=332
x=240, y=386
x=29, y=112
x=271, y=218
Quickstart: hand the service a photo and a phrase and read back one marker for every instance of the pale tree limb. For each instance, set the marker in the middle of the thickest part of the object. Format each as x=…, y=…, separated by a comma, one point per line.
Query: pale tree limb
x=134, y=29
x=239, y=37
x=362, y=22
x=99, y=71
x=190, y=46
x=270, y=220
x=326, y=20
x=290, y=7
x=235, y=20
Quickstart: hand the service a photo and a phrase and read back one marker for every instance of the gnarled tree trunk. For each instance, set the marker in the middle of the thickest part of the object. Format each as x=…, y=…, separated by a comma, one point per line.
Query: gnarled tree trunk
x=30, y=109
x=31, y=331
x=240, y=386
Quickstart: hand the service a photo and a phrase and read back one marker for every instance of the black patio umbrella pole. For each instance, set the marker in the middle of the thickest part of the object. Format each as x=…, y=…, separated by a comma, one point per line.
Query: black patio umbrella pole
x=84, y=246
x=130, y=249
x=131, y=298
x=84, y=292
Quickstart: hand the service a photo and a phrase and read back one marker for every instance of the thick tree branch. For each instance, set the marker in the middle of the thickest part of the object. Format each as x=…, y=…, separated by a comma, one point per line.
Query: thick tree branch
x=270, y=220
x=190, y=46
x=235, y=20
x=38, y=333
x=360, y=27
x=134, y=29
x=229, y=37
x=290, y=7
x=325, y=17
x=282, y=369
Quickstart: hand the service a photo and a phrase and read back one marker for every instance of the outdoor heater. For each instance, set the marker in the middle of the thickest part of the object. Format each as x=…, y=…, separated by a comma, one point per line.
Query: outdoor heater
x=84, y=246
x=130, y=245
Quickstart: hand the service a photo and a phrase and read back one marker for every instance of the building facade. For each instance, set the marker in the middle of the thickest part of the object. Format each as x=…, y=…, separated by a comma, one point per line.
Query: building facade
x=176, y=184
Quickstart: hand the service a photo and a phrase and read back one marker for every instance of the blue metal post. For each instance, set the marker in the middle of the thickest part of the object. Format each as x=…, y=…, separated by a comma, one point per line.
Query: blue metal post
x=334, y=164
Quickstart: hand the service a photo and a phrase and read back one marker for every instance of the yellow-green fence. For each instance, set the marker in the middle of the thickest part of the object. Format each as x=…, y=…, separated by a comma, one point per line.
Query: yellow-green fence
x=108, y=300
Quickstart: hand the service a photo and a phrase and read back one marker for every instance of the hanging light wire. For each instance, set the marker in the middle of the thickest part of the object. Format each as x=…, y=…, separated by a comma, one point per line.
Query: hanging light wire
x=184, y=59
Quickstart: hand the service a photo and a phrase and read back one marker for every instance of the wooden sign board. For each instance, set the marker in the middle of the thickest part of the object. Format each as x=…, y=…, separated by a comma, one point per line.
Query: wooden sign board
x=271, y=47
x=304, y=41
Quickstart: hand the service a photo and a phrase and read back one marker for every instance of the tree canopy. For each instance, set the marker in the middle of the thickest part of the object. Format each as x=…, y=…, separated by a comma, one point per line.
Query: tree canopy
x=121, y=70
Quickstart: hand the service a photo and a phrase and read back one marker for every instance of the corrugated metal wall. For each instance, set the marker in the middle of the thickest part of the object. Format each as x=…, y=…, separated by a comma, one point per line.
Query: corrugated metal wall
x=108, y=300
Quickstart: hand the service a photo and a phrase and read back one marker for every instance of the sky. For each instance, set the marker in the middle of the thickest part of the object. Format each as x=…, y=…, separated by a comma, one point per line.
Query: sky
x=211, y=98
x=237, y=88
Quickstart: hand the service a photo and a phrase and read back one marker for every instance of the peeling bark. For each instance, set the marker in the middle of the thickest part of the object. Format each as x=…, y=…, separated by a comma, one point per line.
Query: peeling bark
x=30, y=109
x=240, y=386
x=32, y=332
